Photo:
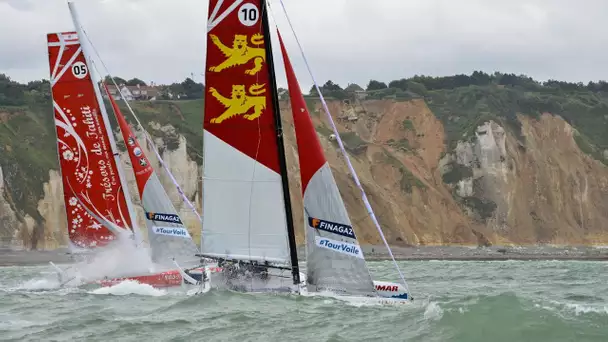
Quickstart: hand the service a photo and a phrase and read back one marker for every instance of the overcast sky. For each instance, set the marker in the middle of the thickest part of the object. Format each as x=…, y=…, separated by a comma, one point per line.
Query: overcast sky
x=344, y=40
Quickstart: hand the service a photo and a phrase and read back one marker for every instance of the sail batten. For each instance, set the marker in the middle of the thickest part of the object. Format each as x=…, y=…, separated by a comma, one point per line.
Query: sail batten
x=335, y=261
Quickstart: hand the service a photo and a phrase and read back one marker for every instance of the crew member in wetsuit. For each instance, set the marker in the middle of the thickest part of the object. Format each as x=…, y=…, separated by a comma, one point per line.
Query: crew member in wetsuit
x=260, y=271
x=264, y=273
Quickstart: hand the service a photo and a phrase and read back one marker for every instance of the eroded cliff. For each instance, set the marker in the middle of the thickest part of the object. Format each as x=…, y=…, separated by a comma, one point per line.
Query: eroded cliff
x=496, y=182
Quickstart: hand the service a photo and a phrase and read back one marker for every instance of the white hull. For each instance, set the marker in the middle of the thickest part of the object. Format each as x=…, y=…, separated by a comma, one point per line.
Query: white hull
x=281, y=281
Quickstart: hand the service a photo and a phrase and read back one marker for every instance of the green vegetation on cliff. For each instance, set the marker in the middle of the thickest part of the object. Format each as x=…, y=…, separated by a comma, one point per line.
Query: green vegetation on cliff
x=28, y=148
x=27, y=143
x=460, y=102
x=185, y=115
x=463, y=102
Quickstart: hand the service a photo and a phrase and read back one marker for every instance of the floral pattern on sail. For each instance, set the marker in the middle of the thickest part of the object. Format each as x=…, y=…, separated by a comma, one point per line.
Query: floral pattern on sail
x=241, y=53
x=90, y=179
x=241, y=103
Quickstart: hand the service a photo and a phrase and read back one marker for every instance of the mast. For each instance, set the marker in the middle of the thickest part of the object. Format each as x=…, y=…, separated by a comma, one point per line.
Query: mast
x=295, y=269
x=106, y=122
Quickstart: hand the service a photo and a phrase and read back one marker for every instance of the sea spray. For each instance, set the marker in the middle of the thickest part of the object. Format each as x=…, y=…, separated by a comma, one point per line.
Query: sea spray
x=120, y=258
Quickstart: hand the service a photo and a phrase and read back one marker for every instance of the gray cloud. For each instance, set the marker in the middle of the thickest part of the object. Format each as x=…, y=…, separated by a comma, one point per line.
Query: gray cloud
x=344, y=40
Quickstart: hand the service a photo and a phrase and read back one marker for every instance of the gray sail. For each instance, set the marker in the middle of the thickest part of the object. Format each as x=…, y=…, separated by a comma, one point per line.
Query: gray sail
x=168, y=236
x=169, y=239
x=335, y=261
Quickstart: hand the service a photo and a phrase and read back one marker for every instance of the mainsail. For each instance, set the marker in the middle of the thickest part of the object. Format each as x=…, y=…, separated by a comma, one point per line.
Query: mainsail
x=335, y=261
x=91, y=184
x=246, y=208
x=167, y=235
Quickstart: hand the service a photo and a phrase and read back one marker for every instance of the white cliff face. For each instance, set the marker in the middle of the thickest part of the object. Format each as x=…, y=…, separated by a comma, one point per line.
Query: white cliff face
x=8, y=218
x=14, y=231
x=486, y=156
x=184, y=170
x=52, y=208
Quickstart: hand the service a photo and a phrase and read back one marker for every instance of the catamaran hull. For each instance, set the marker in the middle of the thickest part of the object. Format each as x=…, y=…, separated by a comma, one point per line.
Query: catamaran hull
x=276, y=281
x=388, y=292
x=171, y=278
x=391, y=290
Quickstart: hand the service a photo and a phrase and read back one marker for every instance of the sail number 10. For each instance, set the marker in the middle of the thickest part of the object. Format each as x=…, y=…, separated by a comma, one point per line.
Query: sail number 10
x=248, y=14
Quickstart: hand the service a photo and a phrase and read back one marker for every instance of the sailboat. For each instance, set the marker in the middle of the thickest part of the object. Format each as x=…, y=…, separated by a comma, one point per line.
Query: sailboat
x=247, y=212
x=98, y=206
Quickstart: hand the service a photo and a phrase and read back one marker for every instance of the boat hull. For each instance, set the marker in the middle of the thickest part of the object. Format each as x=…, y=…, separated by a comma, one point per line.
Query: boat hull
x=170, y=278
x=391, y=290
x=277, y=281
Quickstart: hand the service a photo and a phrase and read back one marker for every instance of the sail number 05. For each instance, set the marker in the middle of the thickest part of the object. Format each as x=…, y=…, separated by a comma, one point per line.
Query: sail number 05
x=248, y=14
x=79, y=70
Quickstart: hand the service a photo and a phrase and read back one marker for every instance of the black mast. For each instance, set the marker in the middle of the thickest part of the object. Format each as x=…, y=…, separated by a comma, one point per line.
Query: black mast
x=295, y=269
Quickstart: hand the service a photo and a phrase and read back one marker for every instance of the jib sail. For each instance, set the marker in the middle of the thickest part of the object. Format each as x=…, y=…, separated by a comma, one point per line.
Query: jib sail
x=168, y=236
x=335, y=261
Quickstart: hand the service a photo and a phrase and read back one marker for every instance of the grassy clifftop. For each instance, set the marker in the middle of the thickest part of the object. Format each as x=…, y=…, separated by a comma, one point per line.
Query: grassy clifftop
x=462, y=102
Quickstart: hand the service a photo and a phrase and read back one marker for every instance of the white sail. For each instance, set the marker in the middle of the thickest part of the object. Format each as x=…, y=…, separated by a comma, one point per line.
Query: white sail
x=244, y=198
x=243, y=209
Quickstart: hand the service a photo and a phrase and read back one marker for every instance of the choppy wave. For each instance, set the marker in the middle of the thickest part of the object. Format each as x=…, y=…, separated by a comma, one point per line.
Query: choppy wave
x=455, y=301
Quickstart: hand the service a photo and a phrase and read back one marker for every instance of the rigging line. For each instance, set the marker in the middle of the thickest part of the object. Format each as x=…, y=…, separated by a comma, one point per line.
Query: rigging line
x=146, y=135
x=339, y=140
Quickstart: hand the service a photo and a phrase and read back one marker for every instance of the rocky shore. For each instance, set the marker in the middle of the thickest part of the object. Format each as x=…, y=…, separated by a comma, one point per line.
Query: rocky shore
x=488, y=253
x=20, y=257
x=16, y=257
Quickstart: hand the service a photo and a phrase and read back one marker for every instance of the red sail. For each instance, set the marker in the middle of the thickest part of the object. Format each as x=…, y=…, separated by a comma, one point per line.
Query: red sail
x=141, y=165
x=313, y=159
x=90, y=178
x=238, y=105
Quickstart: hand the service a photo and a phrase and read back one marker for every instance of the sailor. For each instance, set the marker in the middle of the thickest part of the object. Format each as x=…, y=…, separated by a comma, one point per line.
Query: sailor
x=264, y=273
x=260, y=271
x=230, y=269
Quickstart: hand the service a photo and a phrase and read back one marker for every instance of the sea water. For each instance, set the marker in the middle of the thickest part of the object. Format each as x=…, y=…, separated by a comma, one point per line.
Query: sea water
x=454, y=301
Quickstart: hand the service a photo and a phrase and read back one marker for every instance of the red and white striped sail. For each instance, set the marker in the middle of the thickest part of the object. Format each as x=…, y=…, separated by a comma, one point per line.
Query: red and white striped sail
x=92, y=188
x=169, y=239
x=335, y=261
x=243, y=209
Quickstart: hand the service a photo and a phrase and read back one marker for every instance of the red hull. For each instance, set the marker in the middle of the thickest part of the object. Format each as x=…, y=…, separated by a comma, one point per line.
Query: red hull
x=165, y=279
x=170, y=278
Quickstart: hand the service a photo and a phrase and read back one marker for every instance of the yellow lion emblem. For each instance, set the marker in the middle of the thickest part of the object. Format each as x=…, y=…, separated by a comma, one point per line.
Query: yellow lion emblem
x=241, y=53
x=240, y=103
